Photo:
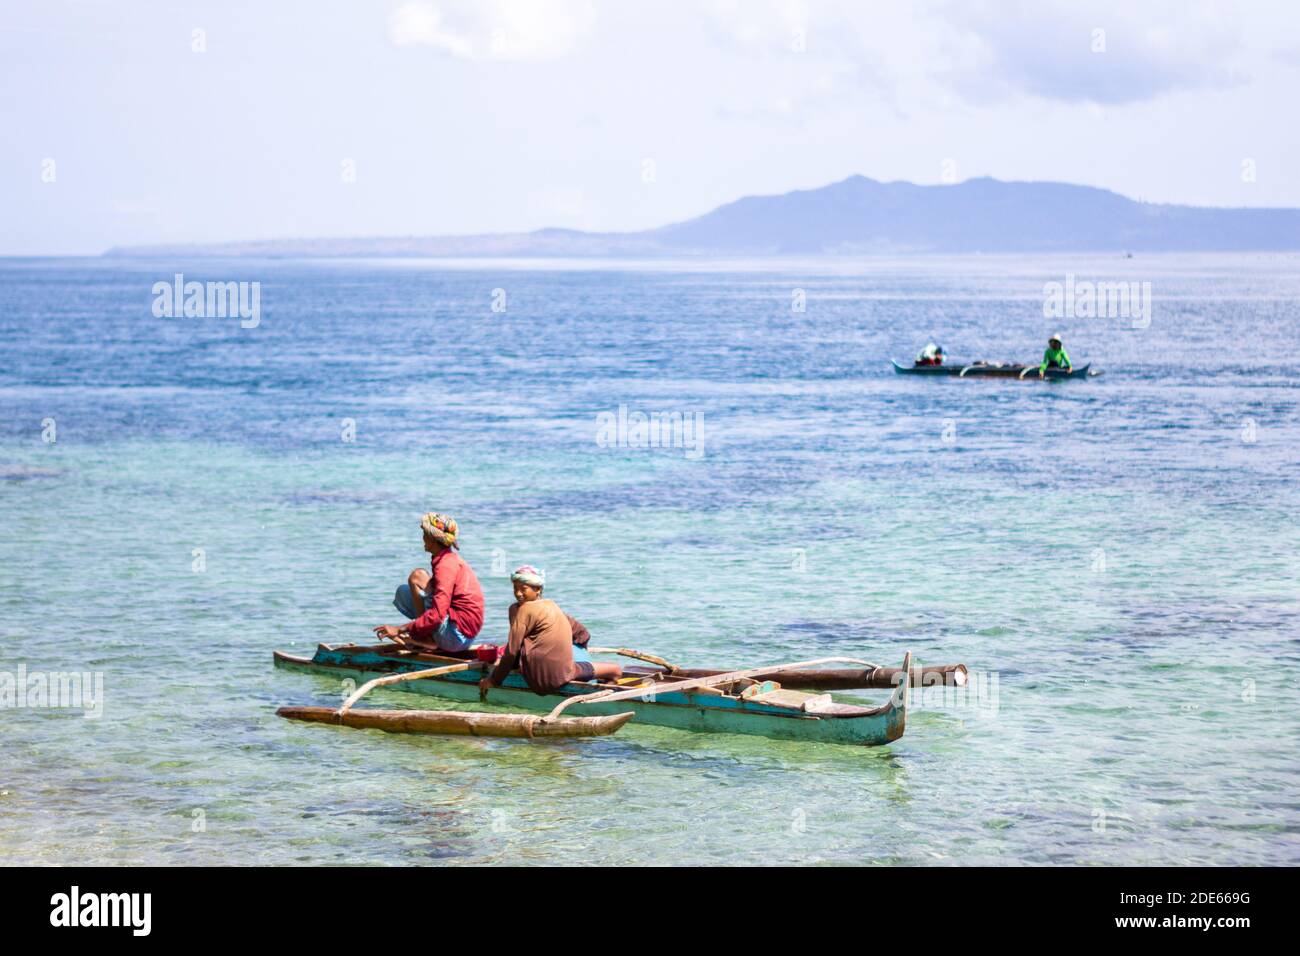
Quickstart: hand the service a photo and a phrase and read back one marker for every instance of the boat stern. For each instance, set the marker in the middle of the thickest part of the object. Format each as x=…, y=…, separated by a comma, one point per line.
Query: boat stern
x=897, y=724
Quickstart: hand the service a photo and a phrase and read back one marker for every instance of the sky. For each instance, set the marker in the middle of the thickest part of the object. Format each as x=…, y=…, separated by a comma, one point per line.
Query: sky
x=143, y=121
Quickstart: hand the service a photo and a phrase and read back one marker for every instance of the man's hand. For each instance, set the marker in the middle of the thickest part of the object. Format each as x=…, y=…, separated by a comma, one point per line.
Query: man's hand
x=389, y=631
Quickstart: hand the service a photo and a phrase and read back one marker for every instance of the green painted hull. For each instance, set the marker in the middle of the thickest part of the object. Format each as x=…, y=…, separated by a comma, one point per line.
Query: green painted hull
x=698, y=712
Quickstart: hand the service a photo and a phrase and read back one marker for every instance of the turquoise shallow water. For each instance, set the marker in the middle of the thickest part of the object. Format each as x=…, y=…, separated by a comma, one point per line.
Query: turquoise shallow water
x=1120, y=555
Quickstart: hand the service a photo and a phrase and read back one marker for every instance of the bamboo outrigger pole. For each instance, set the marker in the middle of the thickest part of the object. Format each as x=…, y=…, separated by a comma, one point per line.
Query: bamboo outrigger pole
x=399, y=678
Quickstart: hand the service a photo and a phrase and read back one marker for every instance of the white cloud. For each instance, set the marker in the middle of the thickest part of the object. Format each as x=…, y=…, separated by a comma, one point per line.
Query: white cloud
x=758, y=26
x=802, y=55
x=928, y=53
x=526, y=30
x=1106, y=52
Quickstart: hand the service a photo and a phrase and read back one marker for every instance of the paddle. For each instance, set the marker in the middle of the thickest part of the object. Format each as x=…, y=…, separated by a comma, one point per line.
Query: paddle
x=636, y=655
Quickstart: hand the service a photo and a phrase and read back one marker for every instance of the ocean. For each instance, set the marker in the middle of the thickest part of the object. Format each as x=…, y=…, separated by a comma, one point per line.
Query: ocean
x=1116, y=560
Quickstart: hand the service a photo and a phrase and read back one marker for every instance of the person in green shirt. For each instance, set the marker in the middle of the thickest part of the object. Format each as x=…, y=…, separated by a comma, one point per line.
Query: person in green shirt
x=1054, y=356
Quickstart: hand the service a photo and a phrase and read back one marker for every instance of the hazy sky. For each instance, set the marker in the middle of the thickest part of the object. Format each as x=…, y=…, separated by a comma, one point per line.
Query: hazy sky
x=462, y=116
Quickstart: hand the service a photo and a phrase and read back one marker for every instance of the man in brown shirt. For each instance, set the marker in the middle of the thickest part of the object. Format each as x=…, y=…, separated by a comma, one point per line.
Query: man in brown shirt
x=541, y=642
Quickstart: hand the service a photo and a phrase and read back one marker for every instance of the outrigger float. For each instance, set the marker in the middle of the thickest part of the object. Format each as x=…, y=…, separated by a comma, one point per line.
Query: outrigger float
x=748, y=701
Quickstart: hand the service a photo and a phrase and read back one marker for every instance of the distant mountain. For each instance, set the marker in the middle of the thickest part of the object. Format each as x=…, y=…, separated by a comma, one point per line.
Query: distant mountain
x=856, y=215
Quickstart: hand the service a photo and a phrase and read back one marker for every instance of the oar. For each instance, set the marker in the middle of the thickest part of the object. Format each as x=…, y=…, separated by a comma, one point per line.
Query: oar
x=636, y=655
x=608, y=696
x=399, y=678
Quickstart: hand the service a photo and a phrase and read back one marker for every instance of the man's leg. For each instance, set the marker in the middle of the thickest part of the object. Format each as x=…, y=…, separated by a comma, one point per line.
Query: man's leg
x=409, y=597
x=418, y=582
x=448, y=638
x=588, y=671
x=606, y=672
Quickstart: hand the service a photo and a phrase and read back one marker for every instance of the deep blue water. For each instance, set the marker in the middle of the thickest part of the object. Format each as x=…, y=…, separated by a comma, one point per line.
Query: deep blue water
x=1120, y=553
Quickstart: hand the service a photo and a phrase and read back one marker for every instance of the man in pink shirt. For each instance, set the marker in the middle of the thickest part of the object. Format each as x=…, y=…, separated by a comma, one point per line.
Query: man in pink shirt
x=445, y=603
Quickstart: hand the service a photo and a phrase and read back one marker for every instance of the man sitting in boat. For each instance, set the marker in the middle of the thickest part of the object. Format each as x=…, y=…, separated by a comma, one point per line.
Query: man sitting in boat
x=541, y=642
x=1054, y=357
x=930, y=355
x=445, y=603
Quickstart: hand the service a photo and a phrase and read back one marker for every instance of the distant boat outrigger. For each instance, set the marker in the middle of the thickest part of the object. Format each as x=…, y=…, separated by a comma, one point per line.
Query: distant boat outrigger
x=997, y=370
x=1055, y=364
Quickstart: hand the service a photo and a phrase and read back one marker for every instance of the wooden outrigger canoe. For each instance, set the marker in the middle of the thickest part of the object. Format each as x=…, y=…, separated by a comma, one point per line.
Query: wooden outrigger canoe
x=995, y=370
x=740, y=705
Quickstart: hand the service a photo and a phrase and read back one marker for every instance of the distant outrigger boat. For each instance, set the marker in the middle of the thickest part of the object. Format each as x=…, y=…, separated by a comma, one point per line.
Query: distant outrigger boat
x=734, y=702
x=995, y=370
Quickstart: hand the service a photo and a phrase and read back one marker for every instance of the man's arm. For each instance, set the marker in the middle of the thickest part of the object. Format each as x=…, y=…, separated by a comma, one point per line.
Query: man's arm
x=518, y=626
x=580, y=633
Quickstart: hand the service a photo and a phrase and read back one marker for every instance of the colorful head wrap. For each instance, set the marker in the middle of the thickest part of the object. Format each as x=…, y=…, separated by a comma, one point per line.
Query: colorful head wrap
x=441, y=528
x=529, y=575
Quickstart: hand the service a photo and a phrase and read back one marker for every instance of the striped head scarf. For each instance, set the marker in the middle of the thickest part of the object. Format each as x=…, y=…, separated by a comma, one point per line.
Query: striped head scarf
x=529, y=575
x=442, y=529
